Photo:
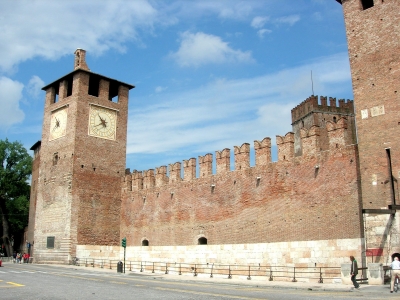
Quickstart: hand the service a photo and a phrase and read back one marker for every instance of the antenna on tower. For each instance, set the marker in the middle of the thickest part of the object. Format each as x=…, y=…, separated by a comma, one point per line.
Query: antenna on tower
x=312, y=84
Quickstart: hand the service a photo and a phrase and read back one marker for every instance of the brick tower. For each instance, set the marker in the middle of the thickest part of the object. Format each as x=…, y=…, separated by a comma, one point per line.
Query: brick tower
x=82, y=160
x=373, y=35
x=312, y=112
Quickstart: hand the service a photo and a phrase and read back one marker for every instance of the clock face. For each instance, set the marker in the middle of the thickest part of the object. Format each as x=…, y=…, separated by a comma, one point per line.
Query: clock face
x=102, y=122
x=58, y=123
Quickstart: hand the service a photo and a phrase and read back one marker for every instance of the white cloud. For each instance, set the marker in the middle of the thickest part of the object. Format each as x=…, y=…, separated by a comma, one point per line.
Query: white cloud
x=259, y=22
x=224, y=9
x=227, y=113
x=199, y=48
x=291, y=20
x=262, y=32
x=51, y=29
x=10, y=97
x=160, y=89
x=34, y=86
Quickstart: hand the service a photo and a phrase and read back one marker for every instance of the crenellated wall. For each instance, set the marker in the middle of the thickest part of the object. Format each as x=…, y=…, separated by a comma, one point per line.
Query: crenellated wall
x=315, y=111
x=336, y=132
x=297, y=198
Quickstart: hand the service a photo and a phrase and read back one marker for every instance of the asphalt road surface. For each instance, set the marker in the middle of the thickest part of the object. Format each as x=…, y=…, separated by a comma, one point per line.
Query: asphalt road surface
x=31, y=282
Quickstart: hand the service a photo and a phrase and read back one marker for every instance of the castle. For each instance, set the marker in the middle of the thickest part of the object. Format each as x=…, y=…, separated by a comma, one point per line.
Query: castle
x=331, y=193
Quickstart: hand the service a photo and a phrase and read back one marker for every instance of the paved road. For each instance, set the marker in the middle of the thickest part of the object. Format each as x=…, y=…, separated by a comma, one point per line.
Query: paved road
x=30, y=281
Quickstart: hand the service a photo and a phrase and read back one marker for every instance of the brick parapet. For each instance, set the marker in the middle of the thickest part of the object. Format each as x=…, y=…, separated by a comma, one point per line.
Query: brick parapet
x=175, y=172
x=205, y=165
x=337, y=134
x=311, y=105
x=189, y=169
x=223, y=161
x=285, y=146
x=263, y=151
x=161, y=176
x=149, y=180
x=242, y=156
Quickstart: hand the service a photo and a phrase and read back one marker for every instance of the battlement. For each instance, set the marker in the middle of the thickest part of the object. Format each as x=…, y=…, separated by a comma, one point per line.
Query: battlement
x=337, y=134
x=312, y=105
x=81, y=81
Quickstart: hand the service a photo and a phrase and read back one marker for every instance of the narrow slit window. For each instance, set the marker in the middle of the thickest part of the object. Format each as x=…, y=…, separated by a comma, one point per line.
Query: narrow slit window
x=55, y=159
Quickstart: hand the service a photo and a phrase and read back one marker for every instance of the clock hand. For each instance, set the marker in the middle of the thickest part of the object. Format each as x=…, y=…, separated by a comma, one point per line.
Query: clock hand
x=103, y=121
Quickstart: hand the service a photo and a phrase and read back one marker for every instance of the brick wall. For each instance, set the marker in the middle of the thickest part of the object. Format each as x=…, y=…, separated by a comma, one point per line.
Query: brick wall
x=304, y=198
x=373, y=36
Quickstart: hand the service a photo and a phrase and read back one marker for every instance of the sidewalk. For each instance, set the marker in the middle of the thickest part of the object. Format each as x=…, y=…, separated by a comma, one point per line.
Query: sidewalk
x=243, y=281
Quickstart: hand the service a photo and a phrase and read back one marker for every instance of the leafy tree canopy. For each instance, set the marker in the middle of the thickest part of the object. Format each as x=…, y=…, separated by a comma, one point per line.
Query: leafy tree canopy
x=15, y=171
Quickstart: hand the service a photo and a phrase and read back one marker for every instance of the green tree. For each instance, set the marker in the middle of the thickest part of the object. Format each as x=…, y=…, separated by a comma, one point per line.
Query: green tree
x=15, y=170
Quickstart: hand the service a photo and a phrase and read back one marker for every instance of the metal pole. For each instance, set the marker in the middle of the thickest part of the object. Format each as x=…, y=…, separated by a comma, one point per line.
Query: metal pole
x=294, y=275
x=124, y=258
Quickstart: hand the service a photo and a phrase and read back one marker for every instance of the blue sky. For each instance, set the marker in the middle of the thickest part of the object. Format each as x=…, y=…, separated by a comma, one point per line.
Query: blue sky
x=209, y=75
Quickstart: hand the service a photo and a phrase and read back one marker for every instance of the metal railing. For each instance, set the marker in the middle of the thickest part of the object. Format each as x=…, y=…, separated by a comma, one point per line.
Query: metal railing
x=280, y=273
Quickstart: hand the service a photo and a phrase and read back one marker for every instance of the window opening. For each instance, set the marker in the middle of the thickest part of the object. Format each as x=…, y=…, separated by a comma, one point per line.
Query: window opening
x=202, y=241
x=56, y=92
x=50, y=242
x=145, y=243
x=113, y=92
x=69, y=86
x=367, y=4
x=55, y=158
x=94, y=84
x=334, y=119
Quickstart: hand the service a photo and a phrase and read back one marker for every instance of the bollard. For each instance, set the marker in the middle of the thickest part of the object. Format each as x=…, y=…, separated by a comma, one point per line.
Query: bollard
x=321, y=280
x=294, y=275
x=271, y=278
x=120, y=267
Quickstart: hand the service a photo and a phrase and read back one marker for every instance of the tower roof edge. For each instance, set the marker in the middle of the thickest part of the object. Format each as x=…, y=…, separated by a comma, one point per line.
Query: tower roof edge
x=130, y=86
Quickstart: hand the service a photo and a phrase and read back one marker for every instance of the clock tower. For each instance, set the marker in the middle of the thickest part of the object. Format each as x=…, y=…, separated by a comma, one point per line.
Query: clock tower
x=82, y=161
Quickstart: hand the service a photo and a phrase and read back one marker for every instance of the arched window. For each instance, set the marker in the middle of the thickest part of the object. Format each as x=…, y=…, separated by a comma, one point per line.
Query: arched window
x=145, y=243
x=202, y=241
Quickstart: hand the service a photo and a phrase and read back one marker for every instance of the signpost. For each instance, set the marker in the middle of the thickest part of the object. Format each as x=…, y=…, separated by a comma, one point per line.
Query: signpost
x=123, y=244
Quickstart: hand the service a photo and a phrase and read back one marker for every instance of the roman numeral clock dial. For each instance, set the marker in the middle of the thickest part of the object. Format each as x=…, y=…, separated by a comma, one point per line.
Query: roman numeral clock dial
x=102, y=122
x=58, y=123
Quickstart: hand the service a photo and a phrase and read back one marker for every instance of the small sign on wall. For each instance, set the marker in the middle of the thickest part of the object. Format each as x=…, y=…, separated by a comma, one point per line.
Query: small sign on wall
x=377, y=111
x=364, y=114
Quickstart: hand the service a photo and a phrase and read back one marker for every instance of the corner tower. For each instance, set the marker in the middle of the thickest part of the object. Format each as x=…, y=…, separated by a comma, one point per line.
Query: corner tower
x=312, y=112
x=373, y=35
x=82, y=160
